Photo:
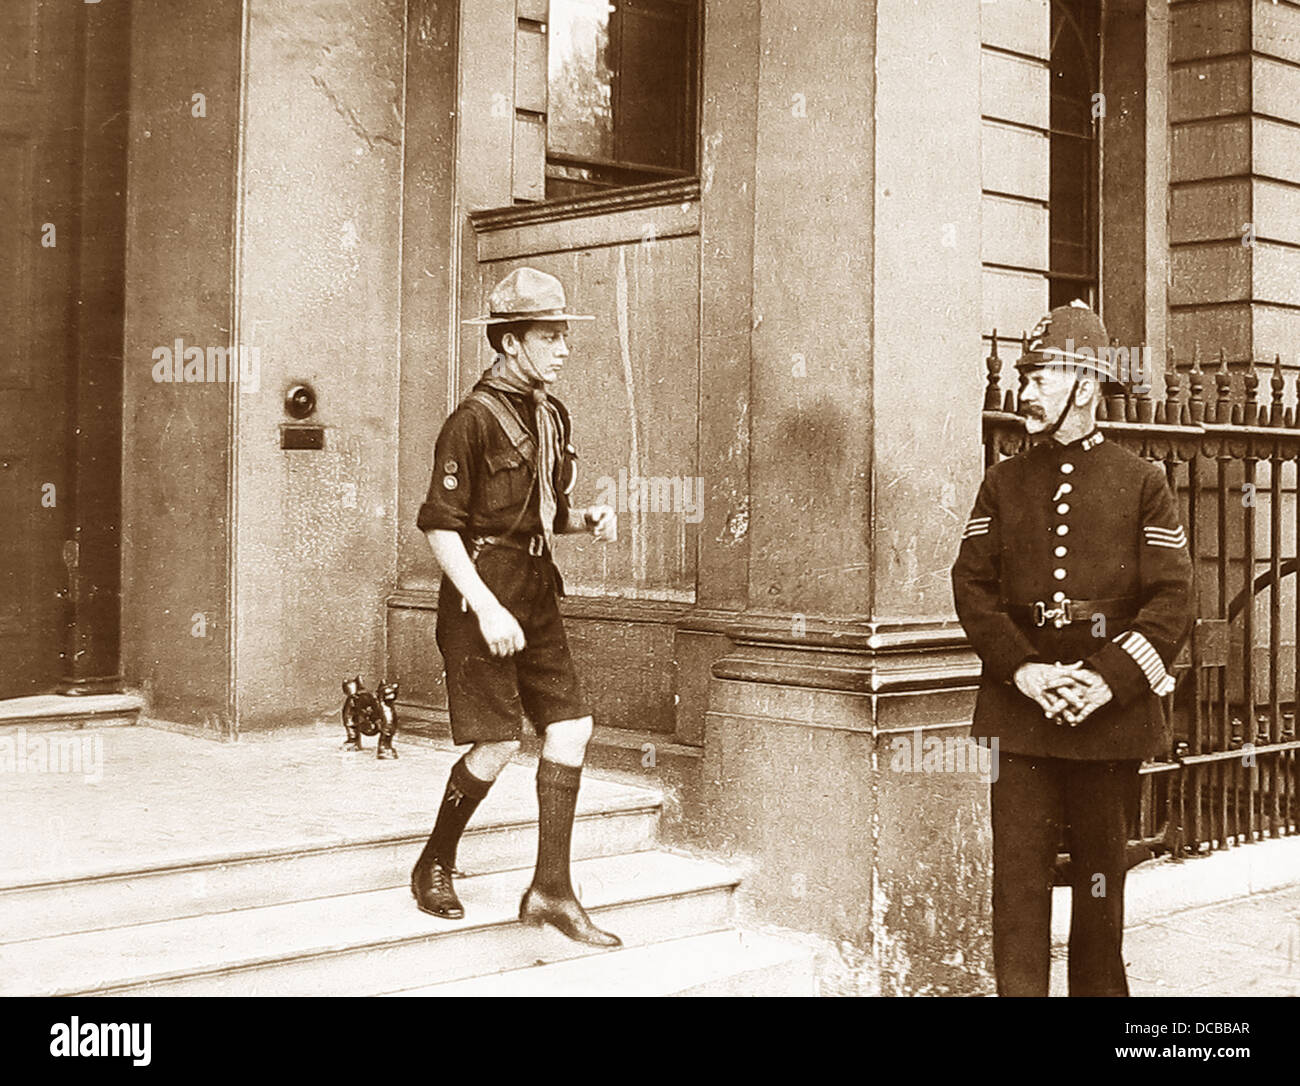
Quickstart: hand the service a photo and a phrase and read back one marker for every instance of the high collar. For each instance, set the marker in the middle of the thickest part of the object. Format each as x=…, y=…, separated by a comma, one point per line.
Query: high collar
x=1089, y=441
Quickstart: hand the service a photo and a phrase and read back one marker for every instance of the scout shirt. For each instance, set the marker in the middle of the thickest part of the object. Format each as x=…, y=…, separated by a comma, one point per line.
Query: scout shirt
x=1092, y=522
x=482, y=485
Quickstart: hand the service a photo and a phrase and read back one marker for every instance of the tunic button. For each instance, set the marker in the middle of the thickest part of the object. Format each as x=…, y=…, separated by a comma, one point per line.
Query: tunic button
x=1063, y=508
x=1057, y=597
x=1060, y=552
x=1066, y=469
x=1061, y=529
x=1066, y=488
x=1059, y=574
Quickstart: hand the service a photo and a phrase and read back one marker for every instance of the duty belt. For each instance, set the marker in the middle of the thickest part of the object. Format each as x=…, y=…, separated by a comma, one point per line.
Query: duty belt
x=1063, y=612
x=533, y=544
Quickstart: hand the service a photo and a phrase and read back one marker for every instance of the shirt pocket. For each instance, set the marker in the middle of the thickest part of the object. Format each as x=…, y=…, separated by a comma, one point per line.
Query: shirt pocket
x=507, y=482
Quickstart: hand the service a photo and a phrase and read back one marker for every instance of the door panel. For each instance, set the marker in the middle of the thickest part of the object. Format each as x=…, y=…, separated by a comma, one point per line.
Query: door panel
x=40, y=128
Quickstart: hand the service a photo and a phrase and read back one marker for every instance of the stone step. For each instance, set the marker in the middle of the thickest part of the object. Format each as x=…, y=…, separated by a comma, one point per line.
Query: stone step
x=606, y=825
x=59, y=712
x=172, y=825
x=724, y=963
x=373, y=942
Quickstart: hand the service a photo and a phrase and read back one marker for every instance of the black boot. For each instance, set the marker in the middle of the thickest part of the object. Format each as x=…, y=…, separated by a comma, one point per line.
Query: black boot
x=431, y=878
x=550, y=899
x=566, y=915
x=434, y=891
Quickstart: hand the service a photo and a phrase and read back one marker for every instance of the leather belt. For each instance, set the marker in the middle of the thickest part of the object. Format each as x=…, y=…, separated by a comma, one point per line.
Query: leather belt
x=535, y=545
x=1064, y=612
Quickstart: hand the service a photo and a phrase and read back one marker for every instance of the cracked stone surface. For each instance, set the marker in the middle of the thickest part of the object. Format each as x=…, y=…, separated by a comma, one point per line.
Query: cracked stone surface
x=1246, y=947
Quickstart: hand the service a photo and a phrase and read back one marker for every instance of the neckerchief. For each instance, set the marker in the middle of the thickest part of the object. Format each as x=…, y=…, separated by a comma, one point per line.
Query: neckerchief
x=547, y=417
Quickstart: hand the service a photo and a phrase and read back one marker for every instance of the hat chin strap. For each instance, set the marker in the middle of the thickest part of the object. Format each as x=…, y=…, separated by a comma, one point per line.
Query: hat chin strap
x=1069, y=402
x=530, y=371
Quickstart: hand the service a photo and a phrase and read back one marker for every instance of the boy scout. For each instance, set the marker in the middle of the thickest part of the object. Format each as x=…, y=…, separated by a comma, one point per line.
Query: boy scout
x=1073, y=552
x=504, y=468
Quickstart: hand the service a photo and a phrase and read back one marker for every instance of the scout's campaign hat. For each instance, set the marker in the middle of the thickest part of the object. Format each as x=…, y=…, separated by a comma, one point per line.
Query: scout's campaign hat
x=527, y=294
x=1070, y=335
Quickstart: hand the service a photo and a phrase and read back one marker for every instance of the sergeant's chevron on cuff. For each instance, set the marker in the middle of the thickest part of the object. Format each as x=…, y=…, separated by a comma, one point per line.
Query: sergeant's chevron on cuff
x=1146, y=657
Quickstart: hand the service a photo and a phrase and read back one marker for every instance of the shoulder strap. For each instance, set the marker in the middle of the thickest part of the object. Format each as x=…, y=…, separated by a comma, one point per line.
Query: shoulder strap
x=566, y=424
x=516, y=434
x=514, y=429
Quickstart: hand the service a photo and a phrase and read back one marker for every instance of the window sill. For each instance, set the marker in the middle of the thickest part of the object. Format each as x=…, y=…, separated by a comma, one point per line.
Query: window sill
x=659, y=210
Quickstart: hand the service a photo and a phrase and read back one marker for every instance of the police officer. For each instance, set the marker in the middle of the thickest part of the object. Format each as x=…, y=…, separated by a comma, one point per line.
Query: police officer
x=1074, y=586
x=504, y=468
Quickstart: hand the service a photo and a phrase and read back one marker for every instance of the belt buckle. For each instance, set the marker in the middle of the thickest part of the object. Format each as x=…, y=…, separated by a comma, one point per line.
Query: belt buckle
x=537, y=545
x=1060, y=616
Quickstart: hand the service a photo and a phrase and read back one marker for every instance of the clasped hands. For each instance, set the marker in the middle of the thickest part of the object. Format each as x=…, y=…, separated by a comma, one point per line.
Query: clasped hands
x=1067, y=693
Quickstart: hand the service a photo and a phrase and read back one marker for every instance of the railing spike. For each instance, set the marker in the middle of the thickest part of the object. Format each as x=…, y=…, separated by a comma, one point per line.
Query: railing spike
x=1223, y=383
x=1170, y=409
x=1144, y=407
x=1276, y=414
x=993, y=363
x=1250, y=410
x=1196, y=391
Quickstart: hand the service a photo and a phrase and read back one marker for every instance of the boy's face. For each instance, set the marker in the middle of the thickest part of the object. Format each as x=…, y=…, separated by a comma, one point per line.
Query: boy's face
x=541, y=350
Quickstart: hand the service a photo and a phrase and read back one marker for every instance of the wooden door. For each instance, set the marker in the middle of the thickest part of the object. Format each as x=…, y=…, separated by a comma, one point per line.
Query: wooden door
x=40, y=139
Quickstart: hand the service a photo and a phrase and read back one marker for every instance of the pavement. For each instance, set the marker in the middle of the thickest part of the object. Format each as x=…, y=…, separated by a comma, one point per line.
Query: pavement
x=1248, y=945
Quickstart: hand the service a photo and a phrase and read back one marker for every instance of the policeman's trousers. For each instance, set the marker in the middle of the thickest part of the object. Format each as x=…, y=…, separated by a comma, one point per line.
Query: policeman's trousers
x=1039, y=804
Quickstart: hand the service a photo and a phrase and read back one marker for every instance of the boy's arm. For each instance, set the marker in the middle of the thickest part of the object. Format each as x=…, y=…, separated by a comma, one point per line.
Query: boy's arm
x=499, y=628
x=445, y=514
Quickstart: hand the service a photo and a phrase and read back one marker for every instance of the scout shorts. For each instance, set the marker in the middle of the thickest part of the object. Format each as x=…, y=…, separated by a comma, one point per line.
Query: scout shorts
x=488, y=695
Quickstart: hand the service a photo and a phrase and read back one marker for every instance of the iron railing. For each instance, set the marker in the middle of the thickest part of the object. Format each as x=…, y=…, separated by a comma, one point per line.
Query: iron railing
x=1232, y=773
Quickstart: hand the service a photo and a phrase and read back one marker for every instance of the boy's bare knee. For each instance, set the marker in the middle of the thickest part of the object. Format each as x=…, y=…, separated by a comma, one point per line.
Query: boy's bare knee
x=566, y=741
x=577, y=730
x=486, y=760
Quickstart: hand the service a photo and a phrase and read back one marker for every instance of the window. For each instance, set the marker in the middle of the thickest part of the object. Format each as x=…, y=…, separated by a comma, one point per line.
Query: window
x=621, y=93
x=1075, y=164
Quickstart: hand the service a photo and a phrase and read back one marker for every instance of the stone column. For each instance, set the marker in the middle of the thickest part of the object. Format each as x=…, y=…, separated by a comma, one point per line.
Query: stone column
x=1234, y=215
x=319, y=283
x=264, y=231
x=865, y=456
x=180, y=243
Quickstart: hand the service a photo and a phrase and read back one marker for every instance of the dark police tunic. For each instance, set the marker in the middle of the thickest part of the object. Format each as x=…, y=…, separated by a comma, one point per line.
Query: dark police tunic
x=485, y=489
x=1087, y=532
x=1089, y=522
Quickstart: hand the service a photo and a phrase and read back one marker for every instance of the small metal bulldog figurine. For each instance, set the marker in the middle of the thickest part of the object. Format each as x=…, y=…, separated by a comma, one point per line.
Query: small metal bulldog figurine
x=365, y=713
x=387, y=705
